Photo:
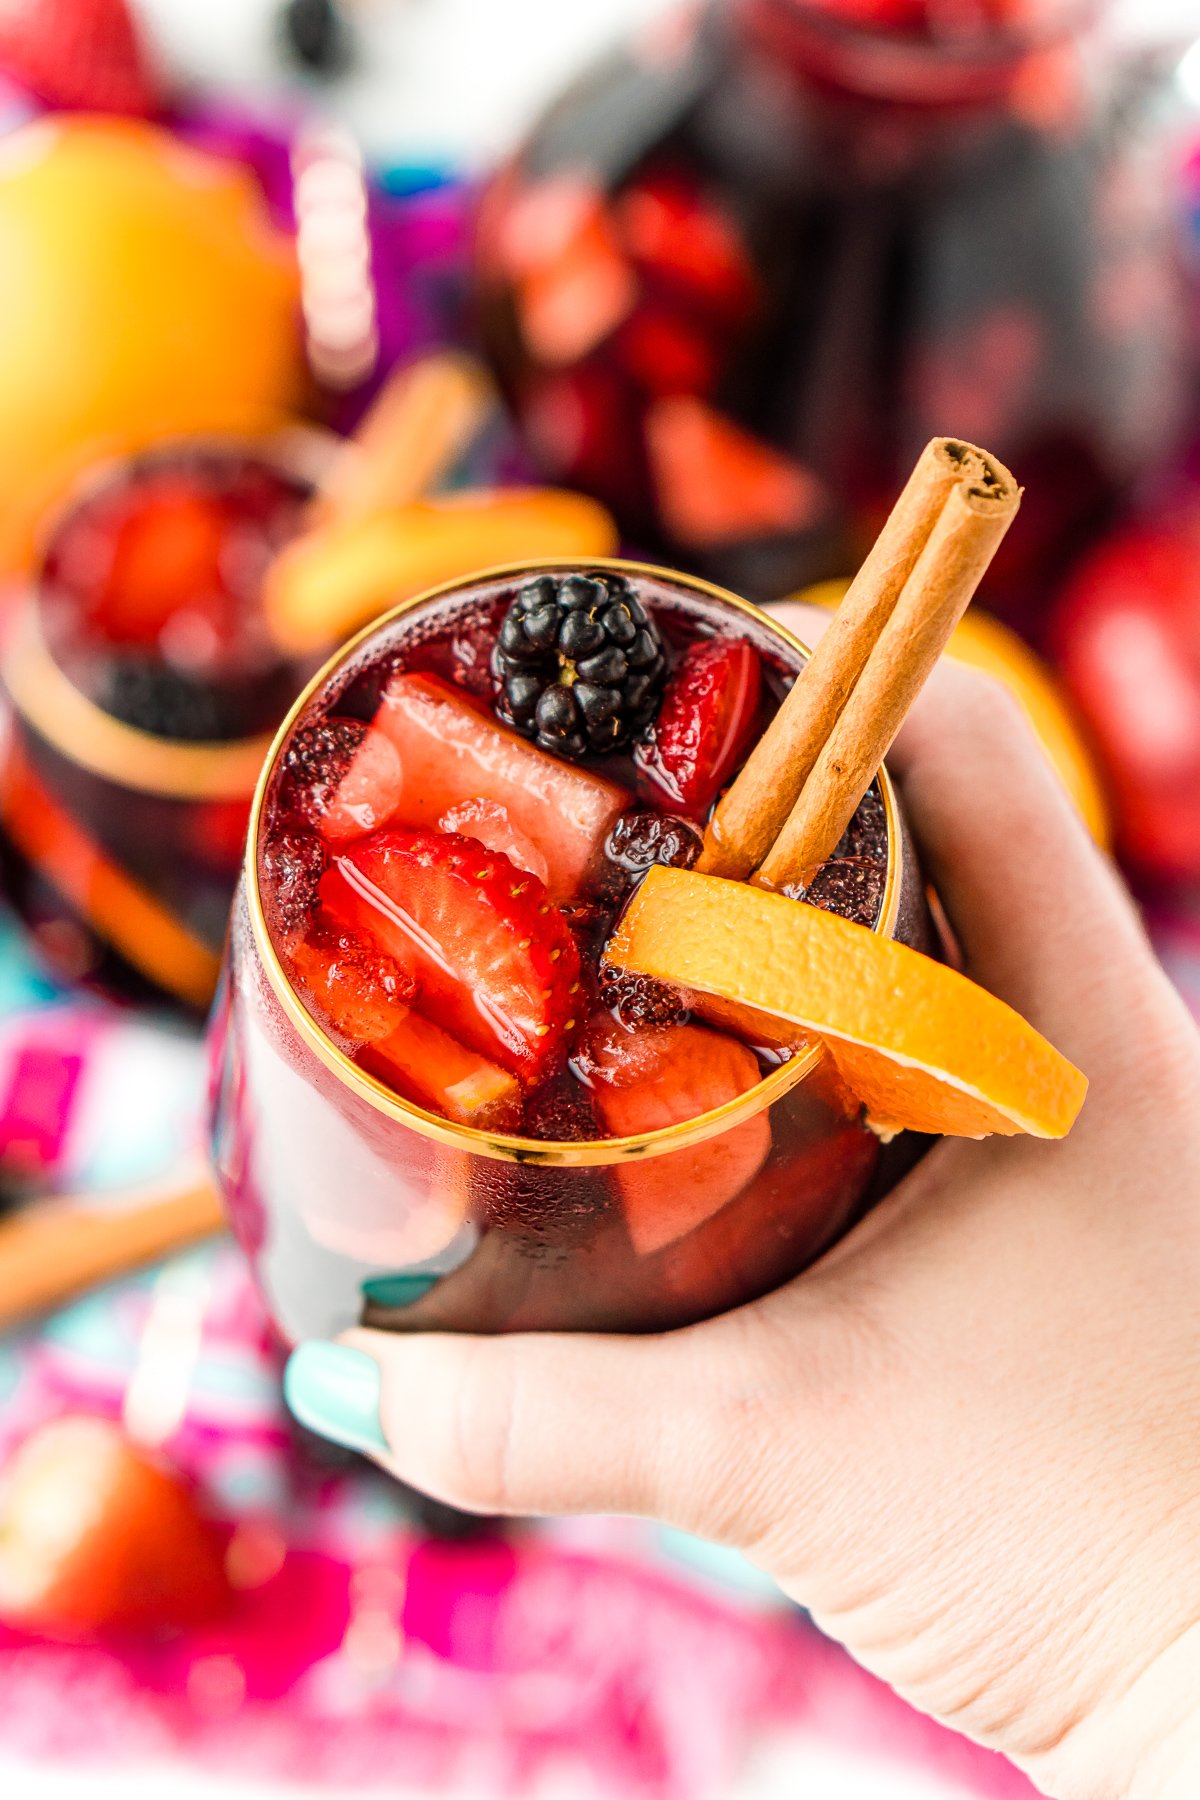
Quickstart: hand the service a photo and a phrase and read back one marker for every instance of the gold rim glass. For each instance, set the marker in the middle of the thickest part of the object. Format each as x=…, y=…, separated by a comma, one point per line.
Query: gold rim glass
x=593, y=1152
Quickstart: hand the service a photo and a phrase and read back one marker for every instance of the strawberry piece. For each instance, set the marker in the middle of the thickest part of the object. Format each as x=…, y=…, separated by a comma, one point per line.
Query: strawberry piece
x=451, y=751
x=96, y=1537
x=673, y=233
x=488, y=823
x=703, y=727
x=495, y=961
x=353, y=986
x=572, y=283
x=78, y=54
x=647, y=1079
x=167, y=553
x=428, y=1066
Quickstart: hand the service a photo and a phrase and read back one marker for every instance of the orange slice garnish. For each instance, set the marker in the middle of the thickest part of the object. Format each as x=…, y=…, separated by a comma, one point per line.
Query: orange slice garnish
x=921, y=1046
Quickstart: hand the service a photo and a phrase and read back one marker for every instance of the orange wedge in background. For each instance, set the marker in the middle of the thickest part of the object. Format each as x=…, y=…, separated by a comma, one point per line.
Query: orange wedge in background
x=919, y=1045
x=338, y=577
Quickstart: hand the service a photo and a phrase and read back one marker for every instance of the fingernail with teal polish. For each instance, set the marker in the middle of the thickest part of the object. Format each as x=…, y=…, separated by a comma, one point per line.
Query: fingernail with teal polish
x=398, y=1290
x=335, y=1391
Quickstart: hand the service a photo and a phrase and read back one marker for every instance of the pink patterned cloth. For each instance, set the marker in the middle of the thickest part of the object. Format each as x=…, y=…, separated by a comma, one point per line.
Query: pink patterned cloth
x=360, y=1651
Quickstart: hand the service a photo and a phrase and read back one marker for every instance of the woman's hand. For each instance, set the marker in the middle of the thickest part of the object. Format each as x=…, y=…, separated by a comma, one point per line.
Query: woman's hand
x=969, y=1438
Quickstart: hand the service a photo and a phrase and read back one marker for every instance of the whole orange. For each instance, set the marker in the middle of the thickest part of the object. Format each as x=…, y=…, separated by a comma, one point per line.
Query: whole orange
x=146, y=294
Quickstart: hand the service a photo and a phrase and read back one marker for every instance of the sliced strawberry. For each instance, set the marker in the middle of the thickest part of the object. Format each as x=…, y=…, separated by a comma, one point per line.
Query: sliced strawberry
x=489, y=823
x=495, y=960
x=450, y=751
x=649, y=1078
x=168, y=549
x=704, y=725
x=96, y=1537
x=349, y=983
x=428, y=1066
x=673, y=232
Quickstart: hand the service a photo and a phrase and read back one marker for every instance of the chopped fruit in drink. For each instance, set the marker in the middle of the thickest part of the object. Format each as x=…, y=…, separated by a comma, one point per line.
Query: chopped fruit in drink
x=640, y=1000
x=450, y=751
x=166, y=553
x=488, y=823
x=314, y=764
x=921, y=1046
x=704, y=726
x=580, y=664
x=654, y=1077
x=358, y=990
x=95, y=1537
x=561, y=1111
x=425, y=1064
x=368, y=793
x=573, y=284
x=494, y=958
x=716, y=482
x=293, y=864
x=668, y=227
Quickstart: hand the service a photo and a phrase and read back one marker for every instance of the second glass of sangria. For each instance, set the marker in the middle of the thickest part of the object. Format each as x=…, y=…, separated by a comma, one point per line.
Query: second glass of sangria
x=144, y=689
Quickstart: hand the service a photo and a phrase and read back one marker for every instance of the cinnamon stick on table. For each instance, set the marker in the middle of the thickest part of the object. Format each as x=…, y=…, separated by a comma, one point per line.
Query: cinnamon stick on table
x=799, y=788
x=57, y=1248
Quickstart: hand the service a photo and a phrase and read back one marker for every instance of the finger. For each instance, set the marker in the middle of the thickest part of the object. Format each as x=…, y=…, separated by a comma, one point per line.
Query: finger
x=531, y=1424
x=544, y=1422
x=1042, y=918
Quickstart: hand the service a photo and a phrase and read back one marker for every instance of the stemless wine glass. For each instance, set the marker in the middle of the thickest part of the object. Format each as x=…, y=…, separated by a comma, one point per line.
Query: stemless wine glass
x=355, y=1204
x=132, y=751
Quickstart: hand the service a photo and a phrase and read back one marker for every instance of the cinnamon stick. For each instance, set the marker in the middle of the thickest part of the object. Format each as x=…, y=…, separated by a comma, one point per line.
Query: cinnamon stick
x=57, y=1248
x=965, y=536
x=753, y=812
x=420, y=422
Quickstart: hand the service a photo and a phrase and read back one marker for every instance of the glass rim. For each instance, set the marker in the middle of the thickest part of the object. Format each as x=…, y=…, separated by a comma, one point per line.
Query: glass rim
x=44, y=697
x=500, y=1146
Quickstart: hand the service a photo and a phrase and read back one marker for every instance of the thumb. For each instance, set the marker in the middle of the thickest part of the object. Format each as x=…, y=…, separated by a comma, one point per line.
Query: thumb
x=540, y=1422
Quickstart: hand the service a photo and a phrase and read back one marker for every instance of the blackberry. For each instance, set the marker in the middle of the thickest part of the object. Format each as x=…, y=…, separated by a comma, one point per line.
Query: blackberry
x=315, y=761
x=640, y=999
x=160, y=700
x=293, y=864
x=580, y=664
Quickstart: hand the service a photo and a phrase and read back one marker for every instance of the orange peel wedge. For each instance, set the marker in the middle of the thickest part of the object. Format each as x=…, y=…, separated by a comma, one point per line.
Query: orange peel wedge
x=920, y=1046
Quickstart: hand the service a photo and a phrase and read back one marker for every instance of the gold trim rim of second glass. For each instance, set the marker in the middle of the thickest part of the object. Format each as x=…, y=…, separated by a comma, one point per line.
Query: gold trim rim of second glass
x=498, y=1146
x=47, y=700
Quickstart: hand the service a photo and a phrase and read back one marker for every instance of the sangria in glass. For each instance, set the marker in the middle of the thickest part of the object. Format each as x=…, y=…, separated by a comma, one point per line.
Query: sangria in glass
x=434, y=1104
